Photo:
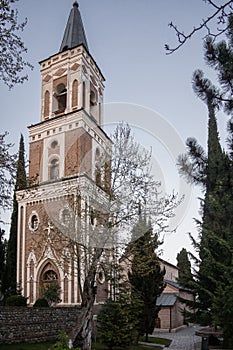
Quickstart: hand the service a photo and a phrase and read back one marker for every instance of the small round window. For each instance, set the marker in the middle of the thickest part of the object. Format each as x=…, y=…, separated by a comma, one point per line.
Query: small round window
x=54, y=144
x=34, y=222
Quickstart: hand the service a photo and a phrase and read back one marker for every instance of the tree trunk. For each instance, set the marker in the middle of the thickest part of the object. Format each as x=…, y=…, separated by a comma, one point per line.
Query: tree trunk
x=81, y=334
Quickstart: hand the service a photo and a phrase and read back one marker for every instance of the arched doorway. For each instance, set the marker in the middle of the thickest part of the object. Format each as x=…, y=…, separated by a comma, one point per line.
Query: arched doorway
x=49, y=275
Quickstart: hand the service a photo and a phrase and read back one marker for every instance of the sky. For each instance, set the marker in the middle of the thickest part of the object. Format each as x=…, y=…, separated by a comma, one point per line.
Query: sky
x=145, y=87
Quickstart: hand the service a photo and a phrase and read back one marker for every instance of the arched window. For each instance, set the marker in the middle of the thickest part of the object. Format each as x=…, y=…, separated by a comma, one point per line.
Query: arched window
x=46, y=104
x=54, y=169
x=93, y=102
x=60, y=96
x=101, y=276
x=92, y=216
x=97, y=167
x=66, y=217
x=100, y=113
x=84, y=94
x=92, y=98
x=98, y=175
x=75, y=94
x=34, y=222
x=97, y=154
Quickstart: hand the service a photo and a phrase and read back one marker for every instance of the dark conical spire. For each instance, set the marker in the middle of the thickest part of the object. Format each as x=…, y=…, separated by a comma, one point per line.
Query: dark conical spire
x=74, y=34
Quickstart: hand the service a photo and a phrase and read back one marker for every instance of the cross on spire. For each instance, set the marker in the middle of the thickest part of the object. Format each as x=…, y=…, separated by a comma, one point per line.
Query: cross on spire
x=49, y=228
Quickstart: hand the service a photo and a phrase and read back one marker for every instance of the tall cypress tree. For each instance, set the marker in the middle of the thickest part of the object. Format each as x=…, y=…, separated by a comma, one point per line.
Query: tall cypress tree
x=212, y=252
x=11, y=258
x=184, y=266
x=146, y=276
x=214, y=277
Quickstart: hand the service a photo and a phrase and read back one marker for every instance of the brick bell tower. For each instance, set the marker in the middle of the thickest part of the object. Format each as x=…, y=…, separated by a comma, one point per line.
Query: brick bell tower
x=64, y=183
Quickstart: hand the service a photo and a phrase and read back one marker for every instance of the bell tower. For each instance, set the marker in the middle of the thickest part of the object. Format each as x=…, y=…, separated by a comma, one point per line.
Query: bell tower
x=71, y=79
x=64, y=180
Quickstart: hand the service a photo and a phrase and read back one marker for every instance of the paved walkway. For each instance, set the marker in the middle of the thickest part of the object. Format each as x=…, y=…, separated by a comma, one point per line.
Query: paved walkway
x=184, y=339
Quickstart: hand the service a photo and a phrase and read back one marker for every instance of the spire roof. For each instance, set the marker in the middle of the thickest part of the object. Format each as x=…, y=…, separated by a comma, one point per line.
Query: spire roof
x=74, y=34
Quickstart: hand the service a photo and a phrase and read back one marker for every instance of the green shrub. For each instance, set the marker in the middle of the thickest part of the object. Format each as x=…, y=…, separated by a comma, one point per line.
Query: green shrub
x=113, y=326
x=41, y=302
x=62, y=343
x=51, y=293
x=16, y=300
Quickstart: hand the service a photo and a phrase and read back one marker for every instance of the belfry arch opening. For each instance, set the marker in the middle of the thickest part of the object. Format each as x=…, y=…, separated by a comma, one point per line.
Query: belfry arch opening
x=60, y=99
x=46, y=104
x=75, y=94
x=93, y=101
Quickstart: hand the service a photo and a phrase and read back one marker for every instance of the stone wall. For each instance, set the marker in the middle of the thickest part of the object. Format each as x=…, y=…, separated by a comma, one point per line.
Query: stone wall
x=27, y=324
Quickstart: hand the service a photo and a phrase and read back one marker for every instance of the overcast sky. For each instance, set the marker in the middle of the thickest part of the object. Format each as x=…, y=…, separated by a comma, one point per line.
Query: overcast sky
x=144, y=86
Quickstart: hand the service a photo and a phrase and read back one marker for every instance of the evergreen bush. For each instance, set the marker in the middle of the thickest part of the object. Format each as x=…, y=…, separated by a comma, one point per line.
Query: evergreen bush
x=16, y=300
x=113, y=327
x=63, y=343
x=41, y=302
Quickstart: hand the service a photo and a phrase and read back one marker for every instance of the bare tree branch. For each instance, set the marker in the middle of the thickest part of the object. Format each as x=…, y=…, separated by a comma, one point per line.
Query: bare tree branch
x=221, y=13
x=12, y=48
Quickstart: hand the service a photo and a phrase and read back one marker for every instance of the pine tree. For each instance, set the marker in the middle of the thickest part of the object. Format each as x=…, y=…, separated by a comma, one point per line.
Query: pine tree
x=214, y=172
x=214, y=248
x=146, y=277
x=11, y=259
x=184, y=266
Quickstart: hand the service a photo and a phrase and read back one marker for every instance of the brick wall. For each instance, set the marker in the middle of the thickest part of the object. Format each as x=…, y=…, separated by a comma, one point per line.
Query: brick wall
x=25, y=324
x=35, y=156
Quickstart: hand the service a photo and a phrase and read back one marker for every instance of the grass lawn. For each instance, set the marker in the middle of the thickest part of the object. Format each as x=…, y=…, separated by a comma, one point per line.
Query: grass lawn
x=95, y=346
x=24, y=346
x=46, y=346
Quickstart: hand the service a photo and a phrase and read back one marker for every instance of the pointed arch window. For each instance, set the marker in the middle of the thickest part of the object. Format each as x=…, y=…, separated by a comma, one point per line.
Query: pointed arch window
x=54, y=169
x=46, y=104
x=75, y=94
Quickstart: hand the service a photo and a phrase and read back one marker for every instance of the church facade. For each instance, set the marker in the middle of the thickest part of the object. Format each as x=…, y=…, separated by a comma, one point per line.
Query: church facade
x=66, y=186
